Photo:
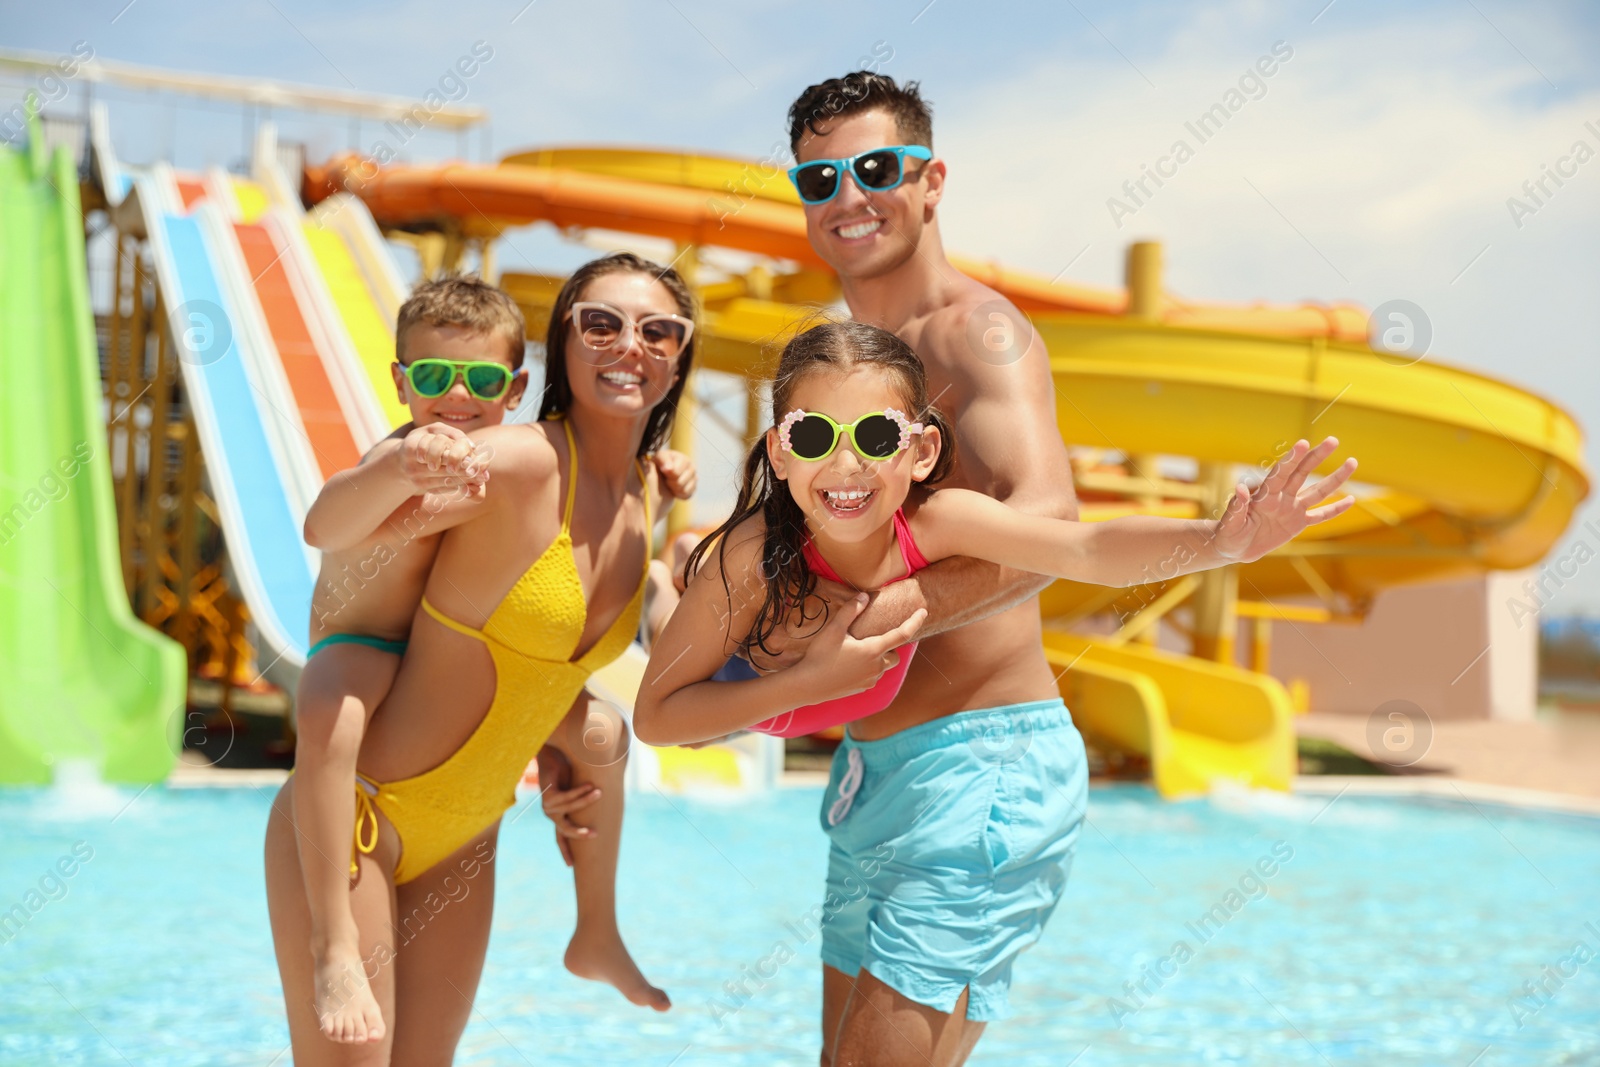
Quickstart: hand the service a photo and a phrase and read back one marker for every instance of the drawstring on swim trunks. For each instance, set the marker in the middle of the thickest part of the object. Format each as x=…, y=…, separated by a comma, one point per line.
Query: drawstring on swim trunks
x=849, y=783
x=366, y=837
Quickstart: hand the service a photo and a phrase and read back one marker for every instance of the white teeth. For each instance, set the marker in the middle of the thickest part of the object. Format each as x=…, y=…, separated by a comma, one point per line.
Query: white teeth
x=860, y=229
x=839, y=497
x=621, y=377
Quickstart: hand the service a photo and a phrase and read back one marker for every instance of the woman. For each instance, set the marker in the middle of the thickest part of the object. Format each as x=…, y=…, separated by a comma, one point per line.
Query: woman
x=535, y=586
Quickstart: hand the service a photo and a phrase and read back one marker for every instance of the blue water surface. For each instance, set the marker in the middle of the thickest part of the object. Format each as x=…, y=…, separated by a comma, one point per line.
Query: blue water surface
x=1387, y=931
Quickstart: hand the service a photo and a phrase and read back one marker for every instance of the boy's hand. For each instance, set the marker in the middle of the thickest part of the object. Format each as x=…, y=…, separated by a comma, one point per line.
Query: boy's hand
x=677, y=473
x=1258, y=521
x=439, y=457
x=839, y=665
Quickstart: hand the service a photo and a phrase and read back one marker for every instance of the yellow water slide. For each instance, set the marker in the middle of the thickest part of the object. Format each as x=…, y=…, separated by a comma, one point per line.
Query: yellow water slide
x=1460, y=472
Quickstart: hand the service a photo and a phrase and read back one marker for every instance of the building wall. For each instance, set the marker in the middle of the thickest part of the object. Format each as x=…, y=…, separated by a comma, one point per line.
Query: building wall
x=1455, y=649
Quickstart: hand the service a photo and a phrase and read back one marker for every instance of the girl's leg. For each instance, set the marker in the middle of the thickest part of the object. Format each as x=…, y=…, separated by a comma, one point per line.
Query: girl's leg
x=340, y=687
x=594, y=739
x=442, y=934
x=371, y=902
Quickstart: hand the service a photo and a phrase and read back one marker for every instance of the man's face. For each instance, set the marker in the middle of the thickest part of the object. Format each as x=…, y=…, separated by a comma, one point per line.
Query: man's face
x=865, y=234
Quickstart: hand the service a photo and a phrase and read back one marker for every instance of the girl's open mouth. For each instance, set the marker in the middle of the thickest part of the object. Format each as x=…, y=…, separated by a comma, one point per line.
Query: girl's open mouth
x=846, y=501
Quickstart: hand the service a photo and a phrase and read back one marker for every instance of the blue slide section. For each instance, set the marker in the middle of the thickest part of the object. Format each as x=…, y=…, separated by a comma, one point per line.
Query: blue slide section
x=263, y=531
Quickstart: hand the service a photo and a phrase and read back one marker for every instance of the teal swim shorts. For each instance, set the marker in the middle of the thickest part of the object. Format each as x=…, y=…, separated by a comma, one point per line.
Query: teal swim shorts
x=951, y=843
x=396, y=647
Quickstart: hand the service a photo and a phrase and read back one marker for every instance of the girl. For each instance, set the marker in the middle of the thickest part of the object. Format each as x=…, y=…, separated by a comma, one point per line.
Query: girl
x=839, y=488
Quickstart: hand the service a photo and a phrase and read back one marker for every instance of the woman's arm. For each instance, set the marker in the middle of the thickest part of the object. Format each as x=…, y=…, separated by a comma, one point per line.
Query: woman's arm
x=353, y=504
x=1137, y=548
x=678, y=703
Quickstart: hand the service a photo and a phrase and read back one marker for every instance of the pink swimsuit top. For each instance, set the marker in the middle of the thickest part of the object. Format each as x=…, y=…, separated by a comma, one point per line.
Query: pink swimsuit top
x=814, y=717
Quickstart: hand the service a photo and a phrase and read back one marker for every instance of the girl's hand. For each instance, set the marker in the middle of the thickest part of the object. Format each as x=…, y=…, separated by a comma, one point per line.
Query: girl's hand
x=438, y=458
x=677, y=472
x=1275, y=512
x=837, y=665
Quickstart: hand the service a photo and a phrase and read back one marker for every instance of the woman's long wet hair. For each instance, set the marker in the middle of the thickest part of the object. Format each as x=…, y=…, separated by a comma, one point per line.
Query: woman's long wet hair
x=557, y=398
x=784, y=574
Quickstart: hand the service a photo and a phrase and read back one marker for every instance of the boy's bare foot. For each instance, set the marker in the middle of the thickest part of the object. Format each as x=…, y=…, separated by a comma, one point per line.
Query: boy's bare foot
x=604, y=958
x=346, y=1009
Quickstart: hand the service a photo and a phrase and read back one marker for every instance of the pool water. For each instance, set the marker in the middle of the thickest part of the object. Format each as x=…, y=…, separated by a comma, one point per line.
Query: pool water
x=1387, y=931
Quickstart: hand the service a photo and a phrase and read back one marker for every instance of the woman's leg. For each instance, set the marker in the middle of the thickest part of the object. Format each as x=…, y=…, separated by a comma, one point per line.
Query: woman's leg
x=442, y=933
x=594, y=739
x=341, y=686
x=371, y=902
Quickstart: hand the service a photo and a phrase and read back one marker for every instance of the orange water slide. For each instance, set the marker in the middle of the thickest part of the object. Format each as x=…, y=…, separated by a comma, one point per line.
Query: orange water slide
x=721, y=202
x=331, y=439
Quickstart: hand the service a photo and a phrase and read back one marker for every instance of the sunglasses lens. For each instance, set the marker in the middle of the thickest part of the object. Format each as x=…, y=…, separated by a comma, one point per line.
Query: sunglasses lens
x=877, y=437
x=817, y=182
x=811, y=437
x=430, y=378
x=488, y=381
x=878, y=170
x=598, y=327
x=663, y=337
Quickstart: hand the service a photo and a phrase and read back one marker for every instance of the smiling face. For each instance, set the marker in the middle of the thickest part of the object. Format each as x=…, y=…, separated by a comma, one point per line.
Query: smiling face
x=867, y=234
x=625, y=383
x=457, y=407
x=845, y=497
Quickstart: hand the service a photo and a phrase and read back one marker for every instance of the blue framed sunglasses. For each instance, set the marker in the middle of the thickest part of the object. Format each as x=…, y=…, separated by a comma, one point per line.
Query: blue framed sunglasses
x=879, y=170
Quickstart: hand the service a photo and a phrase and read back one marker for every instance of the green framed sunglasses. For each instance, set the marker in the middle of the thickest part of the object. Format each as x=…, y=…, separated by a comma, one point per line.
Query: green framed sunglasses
x=433, y=378
x=877, y=435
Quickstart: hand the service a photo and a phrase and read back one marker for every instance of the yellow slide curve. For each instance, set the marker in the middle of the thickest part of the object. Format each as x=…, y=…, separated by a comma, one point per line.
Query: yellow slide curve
x=1460, y=473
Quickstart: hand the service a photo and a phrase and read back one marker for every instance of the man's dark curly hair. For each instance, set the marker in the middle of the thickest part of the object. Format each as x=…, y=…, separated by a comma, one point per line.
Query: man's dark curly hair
x=855, y=93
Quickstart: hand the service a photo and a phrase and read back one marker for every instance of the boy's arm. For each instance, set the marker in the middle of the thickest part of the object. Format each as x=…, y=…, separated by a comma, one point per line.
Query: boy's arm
x=415, y=461
x=1140, y=548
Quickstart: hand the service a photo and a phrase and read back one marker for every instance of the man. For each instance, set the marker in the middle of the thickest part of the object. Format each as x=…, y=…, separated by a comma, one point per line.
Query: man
x=976, y=754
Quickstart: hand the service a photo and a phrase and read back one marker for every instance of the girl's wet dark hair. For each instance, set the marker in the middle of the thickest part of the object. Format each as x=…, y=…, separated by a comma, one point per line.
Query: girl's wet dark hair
x=557, y=398
x=784, y=573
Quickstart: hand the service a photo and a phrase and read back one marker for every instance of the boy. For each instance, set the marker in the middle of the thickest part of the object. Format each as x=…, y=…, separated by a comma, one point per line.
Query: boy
x=459, y=352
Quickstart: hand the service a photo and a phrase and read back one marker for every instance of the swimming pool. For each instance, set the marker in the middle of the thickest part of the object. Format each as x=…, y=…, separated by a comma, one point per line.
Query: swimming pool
x=1387, y=931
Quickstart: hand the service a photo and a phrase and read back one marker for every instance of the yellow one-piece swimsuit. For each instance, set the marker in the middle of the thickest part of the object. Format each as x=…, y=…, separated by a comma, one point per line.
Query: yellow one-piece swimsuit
x=532, y=635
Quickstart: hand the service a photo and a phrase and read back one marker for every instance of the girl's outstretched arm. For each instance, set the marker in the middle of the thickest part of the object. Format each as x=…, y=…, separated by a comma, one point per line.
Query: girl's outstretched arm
x=678, y=702
x=1138, y=548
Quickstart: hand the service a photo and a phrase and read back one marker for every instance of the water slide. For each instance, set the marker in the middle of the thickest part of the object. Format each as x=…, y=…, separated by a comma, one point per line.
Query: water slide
x=1461, y=472
x=83, y=679
x=288, y=319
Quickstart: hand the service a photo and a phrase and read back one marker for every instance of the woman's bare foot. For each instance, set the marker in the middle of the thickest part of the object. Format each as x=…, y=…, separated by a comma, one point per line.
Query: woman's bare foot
x=346, y=1009
x=604, y=958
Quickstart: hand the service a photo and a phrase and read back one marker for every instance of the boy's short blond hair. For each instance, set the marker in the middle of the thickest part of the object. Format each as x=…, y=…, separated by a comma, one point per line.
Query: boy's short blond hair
x=467, y=301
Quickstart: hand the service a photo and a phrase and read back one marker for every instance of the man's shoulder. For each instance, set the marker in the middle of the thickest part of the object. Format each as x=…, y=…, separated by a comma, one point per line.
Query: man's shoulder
x=972, y=323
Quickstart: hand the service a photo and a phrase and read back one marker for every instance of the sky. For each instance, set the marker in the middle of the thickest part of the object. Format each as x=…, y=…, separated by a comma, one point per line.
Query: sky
x=1375, y=163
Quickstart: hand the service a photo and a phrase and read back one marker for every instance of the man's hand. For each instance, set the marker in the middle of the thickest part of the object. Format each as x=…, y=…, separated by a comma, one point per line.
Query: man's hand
x=838, y=665
x=1258, y=521
x=438, y=458
x=678, y=475
x=559, y=801
x=789, y=642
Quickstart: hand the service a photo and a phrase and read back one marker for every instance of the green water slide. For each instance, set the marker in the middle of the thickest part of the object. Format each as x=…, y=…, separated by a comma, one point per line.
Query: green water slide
x=80, y=678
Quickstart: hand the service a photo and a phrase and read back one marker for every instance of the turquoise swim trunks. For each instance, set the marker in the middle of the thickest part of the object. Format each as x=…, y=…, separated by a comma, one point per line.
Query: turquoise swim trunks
x=951, y=845
x=382, y=645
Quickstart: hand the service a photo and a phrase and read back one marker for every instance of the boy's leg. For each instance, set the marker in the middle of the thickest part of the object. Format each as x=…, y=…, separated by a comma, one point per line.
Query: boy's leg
x=340, y=687
x=664, y=585
x=372, y=901
x=594, y=739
